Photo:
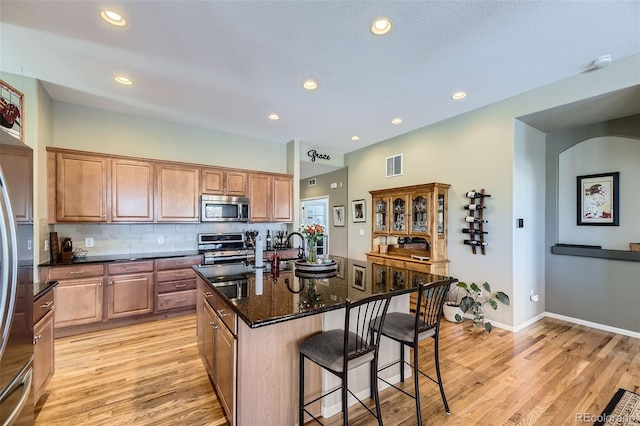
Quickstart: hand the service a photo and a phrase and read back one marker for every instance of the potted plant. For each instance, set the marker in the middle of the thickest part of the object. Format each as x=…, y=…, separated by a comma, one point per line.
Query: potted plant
x=474, y=303
x=451, y=307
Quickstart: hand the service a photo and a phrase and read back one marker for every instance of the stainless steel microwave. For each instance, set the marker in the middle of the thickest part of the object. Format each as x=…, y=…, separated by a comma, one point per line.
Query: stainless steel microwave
x=216, y=208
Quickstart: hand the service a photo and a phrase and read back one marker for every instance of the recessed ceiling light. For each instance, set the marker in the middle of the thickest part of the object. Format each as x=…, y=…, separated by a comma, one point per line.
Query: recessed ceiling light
x=123, y=80
x=396, y=120
x=274, y=117
x=310, y=84
x=355, y=138
x=459, y=95
x=114, y=18
x=380, y=26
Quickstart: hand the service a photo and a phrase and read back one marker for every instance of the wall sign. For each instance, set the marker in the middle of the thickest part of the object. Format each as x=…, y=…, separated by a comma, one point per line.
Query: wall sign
x=11, y=110
x=315, y=154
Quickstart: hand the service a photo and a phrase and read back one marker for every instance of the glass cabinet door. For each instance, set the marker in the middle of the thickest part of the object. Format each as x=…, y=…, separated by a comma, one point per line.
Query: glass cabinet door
x=381, y=221
x=399, y=215
x=399, y=279
x=440, y=213
x=419, y=214
x=379, y=278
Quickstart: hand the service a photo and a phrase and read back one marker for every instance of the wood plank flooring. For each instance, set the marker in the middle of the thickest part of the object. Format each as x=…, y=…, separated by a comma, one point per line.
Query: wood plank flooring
x=151, y=374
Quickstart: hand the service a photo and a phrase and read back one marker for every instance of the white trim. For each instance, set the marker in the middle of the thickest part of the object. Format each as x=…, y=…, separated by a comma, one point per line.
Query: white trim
x=594, y=325
x=530, y=322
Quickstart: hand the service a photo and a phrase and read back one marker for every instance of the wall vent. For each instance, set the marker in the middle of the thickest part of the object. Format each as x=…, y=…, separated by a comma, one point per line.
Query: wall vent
x=312, y=182
x=394, y=165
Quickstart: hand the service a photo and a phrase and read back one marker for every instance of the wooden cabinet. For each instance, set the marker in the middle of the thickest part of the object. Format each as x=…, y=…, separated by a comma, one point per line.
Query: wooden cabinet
x=217, y=181
x=132, y=191
x=130, y=289
x=176, y=282
x=43, y=343
x=178, y=189
x=17, y=166
x=78, y=295
x=271, y=198
x=81, y=188
x=217, y=344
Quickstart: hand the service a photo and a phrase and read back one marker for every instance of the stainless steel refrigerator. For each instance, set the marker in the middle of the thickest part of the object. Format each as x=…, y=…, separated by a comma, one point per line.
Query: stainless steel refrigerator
x=16, y=284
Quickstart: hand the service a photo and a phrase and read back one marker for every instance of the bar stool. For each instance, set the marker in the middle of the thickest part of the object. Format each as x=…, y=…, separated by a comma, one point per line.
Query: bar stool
x=339, y=351
x=410, y=330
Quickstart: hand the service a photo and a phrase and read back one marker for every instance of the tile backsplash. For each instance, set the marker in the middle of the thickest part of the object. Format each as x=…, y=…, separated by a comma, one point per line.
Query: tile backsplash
x=110, y=239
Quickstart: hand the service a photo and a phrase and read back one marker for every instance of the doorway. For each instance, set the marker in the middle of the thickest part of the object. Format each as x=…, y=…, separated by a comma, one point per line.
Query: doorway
x=317, y=210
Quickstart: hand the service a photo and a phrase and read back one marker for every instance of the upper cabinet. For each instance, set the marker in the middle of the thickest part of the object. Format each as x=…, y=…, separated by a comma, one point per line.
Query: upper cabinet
x=271, y=198
x=178, y=193
x=132, y=191
x=81, y=188
x=218, y=181
x=16, y=164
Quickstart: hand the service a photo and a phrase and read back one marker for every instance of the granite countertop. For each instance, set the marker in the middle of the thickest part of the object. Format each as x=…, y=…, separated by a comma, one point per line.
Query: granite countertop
x=122, y=258
x=42, y=288
x=301, y=297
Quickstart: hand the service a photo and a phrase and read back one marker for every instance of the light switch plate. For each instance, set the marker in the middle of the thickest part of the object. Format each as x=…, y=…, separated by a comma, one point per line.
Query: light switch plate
x=88, y=242
x=362, y=232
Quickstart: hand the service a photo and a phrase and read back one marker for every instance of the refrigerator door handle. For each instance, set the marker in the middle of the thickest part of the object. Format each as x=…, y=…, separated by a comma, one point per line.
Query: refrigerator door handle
x=25, y=380
x=8, y=265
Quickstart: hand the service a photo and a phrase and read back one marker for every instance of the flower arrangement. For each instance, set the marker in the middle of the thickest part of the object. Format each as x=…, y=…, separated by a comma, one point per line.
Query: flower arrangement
x=313, y=232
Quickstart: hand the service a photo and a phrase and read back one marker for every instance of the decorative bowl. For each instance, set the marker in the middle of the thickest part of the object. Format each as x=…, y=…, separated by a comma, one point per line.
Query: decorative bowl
x=79, y=253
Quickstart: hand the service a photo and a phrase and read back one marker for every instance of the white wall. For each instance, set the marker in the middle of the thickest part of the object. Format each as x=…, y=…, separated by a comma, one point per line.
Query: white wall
x=595, y=156
x=475, y=150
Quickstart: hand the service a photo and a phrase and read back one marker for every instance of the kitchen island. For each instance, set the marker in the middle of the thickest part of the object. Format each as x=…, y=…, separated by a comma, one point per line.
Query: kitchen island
x=250, y=326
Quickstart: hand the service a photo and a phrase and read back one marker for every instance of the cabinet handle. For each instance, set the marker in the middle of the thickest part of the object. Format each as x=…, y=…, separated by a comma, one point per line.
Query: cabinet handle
x=180, y=285
x=207, y=294
x=181, y=263
x=220, y=313
x=75, y=272
x=181, y=300
x=180, y=275
x=36, y=338
x=131, y=268
x=47, y=305
x=111, y=282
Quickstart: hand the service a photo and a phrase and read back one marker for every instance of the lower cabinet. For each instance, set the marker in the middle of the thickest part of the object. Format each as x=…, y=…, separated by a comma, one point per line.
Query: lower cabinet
x=217, y=345
x=129, y=295
x=176, y=280
x=79, y=302
x=43, y=344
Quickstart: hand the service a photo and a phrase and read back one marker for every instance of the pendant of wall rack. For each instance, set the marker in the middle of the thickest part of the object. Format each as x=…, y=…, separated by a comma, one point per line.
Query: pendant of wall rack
x=475, y=221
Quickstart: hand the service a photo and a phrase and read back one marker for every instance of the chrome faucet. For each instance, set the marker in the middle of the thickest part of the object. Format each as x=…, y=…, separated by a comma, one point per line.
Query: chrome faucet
x=301, y=253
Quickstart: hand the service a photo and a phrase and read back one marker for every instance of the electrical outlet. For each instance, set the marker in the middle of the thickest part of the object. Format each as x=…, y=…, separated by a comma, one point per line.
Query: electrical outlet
x=161, y=239
x=29, y=244
x=46, y=245
x=88, y=242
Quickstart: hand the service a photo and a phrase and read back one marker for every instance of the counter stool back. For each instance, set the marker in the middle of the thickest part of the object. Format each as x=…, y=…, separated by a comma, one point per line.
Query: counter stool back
x=411, y=329
x=339, y=351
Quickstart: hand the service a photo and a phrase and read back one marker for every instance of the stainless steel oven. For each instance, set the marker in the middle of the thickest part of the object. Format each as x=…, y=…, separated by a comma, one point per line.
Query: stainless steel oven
x=224, y=248
x=214, y=208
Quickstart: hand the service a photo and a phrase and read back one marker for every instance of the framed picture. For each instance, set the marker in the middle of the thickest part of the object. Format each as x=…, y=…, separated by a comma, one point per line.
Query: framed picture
x=339, y=265
x=338, y=216
x=11, y=111
x=359, y=211
x=598, y=199
x=359, y=277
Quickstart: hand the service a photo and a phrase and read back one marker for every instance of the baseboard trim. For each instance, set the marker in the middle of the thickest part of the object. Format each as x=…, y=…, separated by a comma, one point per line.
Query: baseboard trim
x=596, y=325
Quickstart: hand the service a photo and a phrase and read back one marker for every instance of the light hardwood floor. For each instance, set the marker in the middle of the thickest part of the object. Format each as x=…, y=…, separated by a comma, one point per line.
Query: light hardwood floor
x=151, y=374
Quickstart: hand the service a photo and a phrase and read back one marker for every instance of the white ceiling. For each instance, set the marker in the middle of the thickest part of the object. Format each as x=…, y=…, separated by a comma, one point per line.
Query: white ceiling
x=225, y=65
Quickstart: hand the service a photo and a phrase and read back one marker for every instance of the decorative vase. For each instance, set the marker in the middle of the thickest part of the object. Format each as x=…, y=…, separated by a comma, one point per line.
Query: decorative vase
x=450, y=312
x=312, y=251
x=478, y=316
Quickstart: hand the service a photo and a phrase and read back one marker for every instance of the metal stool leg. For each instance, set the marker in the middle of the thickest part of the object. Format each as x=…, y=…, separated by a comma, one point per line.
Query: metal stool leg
x=437, y=359
x=417, y=384
x=301, y=391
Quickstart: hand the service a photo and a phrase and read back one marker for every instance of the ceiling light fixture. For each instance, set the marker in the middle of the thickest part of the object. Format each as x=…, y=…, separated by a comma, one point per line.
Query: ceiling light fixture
x=310, y=84
x=274, y=117
x=601, y=61
x=396, y=120
x=114, y=18
x=123, y=80
x=459, y=95
x=380, y=26
x=355, y=138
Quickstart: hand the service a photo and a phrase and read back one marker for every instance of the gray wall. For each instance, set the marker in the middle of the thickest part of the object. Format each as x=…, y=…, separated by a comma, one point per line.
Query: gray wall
x=597, y=290
x=337, y=197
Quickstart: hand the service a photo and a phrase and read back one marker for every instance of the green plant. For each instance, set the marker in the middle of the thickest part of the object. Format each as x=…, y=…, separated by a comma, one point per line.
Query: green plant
x=453, y=296
x=474, y=303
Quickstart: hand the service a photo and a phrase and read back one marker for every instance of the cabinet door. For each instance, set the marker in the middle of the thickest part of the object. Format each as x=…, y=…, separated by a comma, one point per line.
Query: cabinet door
x=130, y=295
x=225, y=368
x=43, y=354
x=178, y=192
x=213, y=181
x=131, y=191
x=236, y=183
x=208, y=338
x=282, y=199
x=78, y=302
x=380, y=215
x=380, y=278
x=399, y=212
x=260, y=195
x=81, y=188
x=419, y=218
x=17, y=166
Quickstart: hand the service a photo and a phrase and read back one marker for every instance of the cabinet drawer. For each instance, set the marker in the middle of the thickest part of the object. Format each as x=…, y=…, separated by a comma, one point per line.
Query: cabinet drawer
x=395, y=263
x=180, y=299
x=130, y=267
x=42, y=306
x=176, y=275
x=179, y=262
x=173, y=286
x=225, y=313
x=418, y=267
x=71, y=272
